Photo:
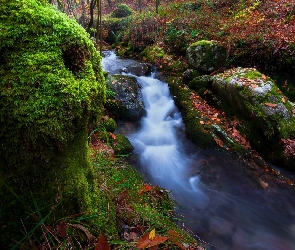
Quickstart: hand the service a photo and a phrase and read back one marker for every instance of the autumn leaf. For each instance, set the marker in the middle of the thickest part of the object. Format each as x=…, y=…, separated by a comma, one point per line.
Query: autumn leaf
x=263, y=77
x=202, y=122
x=218, y=141
x=270, y=104
x=283, y=99
x=146, y=242
x=113, y=135
x=146, y=188
x=175, y=238
x=152, y=234
x=102, y=244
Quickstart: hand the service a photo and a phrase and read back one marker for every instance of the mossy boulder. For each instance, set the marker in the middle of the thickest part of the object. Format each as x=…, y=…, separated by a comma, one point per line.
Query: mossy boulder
x=189, y=75
x=127, y=103
x=201, y=84
x=206, y=56
x=122, y=145
x=109, y=125
x=153, y=53
x=198, y=133
x=122, y=10
x=267, y=113
x=52, y=87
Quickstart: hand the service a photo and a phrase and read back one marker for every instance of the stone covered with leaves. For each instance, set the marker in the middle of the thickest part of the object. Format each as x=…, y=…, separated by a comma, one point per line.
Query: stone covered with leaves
x=52, y=88
x=268, y=115
x=206, y=56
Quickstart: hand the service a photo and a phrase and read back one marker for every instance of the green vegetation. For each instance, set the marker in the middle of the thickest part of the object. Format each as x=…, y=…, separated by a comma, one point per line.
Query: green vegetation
x=122, y=10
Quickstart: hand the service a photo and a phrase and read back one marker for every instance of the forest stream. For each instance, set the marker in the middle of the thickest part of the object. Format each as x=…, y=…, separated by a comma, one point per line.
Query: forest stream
x=219, y=201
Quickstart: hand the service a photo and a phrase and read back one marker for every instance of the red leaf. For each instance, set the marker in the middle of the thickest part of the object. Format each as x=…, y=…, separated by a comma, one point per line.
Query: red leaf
x=270, y=104
x=102, y=244
x=146, y=188
x=218, y=141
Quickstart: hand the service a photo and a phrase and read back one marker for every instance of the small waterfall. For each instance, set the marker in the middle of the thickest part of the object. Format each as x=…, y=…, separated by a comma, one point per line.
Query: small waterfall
x=156, y=143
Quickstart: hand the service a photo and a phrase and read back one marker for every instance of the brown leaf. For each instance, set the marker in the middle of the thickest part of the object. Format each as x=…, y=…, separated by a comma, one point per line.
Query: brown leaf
x=270, y=104
x=176, y=238
x=145, y=242
x=62, y=230
x=102, y=244
x=218, y=141
x=263, y=77
x=113, y=136
x=202, y=122
x=283, y=99
x=206, y=91
x=146, y=188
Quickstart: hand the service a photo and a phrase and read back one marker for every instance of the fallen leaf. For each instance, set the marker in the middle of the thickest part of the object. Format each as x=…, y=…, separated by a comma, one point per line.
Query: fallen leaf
x=113, y=136
x=263, y=77
x=102, y=244
x=146, y=242
x=206, y=91
x=146, y=188
x=283, y=99
x=152, y=234
x=218, y=141
x=270, y=104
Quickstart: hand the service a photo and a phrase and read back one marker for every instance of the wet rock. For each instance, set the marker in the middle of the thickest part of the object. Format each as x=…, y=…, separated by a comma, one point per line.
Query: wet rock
x=127, y=103
x=189, y=75
x=139, y=69
x=266, y=112
x=206, y=56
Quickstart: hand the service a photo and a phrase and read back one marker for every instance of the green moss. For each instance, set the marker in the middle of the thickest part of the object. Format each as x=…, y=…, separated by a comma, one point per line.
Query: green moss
x=153, y=53
x=122, y=145
x=122, y=10
x=52, y=87
x=194, y=130
x=110, y=125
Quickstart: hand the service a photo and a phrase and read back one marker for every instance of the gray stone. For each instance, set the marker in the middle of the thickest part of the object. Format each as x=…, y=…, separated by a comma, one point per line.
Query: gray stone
x=206, y=56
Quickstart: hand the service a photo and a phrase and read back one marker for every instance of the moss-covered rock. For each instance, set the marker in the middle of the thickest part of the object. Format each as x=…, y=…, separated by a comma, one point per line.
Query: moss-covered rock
x=127, y=103
x=122, y=145
x=267, y=113
x=52, y=87
x=194, y=129
x=153, y=53
x=206, y=56
x=122, y=10
x=201, y=84
x=189, y=75
x=110, y=125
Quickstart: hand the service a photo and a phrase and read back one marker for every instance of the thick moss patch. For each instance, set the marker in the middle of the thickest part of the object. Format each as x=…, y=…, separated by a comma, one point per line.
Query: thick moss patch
x=52, y=88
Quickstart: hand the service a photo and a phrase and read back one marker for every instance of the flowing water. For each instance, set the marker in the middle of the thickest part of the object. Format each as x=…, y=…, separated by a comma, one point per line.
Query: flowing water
x=220, y=199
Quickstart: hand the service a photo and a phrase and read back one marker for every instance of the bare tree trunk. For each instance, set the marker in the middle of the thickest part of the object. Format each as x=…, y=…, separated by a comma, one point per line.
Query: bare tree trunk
x=157, y=5
x=98, y=26
x=92, y=6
